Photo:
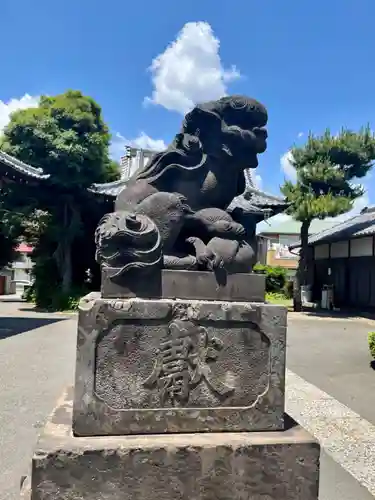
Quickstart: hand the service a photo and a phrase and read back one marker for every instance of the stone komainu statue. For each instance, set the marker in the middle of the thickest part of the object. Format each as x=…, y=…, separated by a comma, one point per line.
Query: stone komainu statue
x=172, y=213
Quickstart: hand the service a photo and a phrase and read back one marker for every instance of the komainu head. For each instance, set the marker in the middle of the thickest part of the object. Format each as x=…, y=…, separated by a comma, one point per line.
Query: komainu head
x=228, y=131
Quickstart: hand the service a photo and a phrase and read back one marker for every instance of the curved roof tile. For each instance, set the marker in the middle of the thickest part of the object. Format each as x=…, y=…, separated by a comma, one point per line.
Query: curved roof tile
x=21, y=167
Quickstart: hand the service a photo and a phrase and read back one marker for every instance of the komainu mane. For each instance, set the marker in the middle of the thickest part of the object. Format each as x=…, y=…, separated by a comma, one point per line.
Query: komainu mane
x=172, y=213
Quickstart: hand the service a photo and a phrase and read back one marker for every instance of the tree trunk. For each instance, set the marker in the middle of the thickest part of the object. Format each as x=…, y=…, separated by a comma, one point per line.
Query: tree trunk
x=63, y=253
x=67, y=267
x=301, y=274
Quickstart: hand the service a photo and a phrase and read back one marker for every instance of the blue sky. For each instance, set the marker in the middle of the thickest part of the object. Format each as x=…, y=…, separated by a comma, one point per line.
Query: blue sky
x=310, y=63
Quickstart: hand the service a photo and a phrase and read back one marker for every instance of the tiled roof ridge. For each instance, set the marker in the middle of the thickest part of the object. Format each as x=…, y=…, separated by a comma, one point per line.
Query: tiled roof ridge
x=256, y=191
x=102, y=187
x=334, y=229
x=363, y=217
x=19, y=165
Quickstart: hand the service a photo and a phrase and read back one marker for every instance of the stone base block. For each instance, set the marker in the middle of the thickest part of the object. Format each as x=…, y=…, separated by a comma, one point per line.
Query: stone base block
x=218, y=466
x=167, y=366
x=169, y=284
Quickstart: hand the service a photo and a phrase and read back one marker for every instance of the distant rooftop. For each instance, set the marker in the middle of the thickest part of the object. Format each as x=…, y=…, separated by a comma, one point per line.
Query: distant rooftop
x=362, y=224
x=292, y=226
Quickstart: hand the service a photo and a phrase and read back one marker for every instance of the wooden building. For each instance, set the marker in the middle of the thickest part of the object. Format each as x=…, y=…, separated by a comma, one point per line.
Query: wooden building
x=344, y=257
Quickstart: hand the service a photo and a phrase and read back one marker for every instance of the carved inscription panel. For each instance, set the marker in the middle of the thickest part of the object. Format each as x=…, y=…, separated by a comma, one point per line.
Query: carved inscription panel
x=180, y=363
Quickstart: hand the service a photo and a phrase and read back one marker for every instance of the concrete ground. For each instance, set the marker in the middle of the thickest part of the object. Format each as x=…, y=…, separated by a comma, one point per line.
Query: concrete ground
x=37, y=358
x=331, y=391
x=333, y=354
x=328, y=362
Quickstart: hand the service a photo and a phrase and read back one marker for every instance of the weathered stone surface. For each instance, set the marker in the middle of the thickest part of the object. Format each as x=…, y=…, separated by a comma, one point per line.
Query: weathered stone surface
x=155, y=366
x=170, y=284
x=225, y=466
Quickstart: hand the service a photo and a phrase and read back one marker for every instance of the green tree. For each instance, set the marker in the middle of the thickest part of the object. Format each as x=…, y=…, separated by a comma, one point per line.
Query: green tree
x=11, y=222
x=326, y=167
x=10, y=231
x=66, y=137
x=112, y=171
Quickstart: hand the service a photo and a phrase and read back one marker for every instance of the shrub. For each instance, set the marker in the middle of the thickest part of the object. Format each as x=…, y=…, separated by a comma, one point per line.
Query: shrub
x=371, y=343
x=56, y=300
x=275, y=277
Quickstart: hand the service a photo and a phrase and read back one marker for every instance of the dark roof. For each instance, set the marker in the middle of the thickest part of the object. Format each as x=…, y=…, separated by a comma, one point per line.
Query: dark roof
x=20, y=167
x=253, y=200
x=354, y=227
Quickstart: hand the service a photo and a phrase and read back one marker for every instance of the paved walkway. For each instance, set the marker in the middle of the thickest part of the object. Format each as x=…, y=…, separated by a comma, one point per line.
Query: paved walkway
x=330, y=390
x=333, y=354
x=37, y=358
x=333, y=396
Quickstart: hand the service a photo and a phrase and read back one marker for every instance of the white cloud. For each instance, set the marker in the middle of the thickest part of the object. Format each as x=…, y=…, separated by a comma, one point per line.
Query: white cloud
x=287, y=167
x=300, y=134
x=258, y=181
x=190, y=70
x=6, y=108
x=143, y=141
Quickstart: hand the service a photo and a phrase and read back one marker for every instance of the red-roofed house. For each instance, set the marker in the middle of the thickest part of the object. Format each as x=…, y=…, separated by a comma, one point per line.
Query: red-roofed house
x=17, y=275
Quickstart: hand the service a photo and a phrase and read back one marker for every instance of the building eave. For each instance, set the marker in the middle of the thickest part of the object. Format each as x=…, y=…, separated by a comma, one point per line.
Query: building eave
x=13, y=167
x=359, y=226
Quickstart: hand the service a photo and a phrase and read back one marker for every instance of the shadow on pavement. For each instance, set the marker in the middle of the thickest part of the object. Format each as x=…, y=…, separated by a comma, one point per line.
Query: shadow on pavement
x=10, y=326
x=340, y=314
x=372, y=364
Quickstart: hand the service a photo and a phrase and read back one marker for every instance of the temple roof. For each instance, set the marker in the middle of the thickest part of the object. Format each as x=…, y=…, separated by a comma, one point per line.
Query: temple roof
x=111, y=189
x=255, y=201
x=19, y=167
x=252, y=201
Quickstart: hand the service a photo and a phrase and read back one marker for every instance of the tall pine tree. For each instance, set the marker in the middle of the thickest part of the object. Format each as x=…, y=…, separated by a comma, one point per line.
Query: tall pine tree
x=326, y=167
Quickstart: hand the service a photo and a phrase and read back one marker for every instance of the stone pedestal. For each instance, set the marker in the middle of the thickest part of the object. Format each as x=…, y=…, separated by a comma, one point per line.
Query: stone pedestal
x=179, y=398
x=280, y=465
x=156, y=366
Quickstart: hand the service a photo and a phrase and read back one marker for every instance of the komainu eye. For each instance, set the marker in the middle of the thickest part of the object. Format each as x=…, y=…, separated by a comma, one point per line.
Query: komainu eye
x=238, y=103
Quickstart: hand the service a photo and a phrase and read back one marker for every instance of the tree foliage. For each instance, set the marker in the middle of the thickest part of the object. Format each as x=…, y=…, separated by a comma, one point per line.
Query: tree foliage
x=327, y=168
x=67, y=137
x=11, y=223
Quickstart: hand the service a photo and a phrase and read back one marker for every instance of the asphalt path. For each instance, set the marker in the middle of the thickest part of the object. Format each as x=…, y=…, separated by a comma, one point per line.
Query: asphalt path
x=37, y=358
x=333, y=355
